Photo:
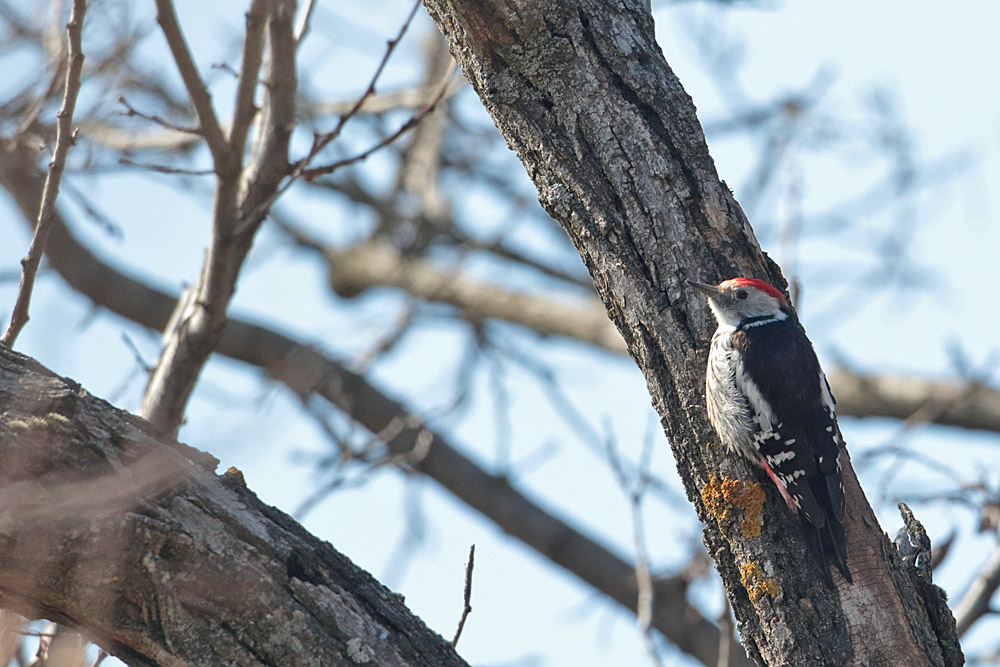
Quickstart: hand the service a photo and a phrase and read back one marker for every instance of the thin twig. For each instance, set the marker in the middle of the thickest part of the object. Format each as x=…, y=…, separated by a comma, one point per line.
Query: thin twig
x=64, y=139
x=132, y=112
x=391, y=339
x=300, y=169
x=414, y=120
x=411, y=98
x=467, y=609
x=164, y=169
x=321, y=141
x=635, y=488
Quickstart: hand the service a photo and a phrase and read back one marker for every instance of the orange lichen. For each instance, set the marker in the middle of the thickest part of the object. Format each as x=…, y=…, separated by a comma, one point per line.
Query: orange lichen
x=714, y=500
x=236, y=475
x=722, y=496
x=757, y=585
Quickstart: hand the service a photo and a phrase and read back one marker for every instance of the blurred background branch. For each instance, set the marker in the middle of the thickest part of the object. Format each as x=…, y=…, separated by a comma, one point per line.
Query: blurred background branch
x=429, y=274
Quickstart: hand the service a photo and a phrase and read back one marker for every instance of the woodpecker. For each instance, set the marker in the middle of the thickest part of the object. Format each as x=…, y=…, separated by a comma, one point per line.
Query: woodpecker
x=769, y=401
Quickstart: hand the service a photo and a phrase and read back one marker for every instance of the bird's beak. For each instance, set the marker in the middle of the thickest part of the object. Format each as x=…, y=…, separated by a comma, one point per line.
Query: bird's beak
x=710, y=291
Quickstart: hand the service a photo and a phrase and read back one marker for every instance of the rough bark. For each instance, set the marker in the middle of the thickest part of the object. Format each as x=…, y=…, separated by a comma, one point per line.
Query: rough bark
x=582, y=94
x=114, y=529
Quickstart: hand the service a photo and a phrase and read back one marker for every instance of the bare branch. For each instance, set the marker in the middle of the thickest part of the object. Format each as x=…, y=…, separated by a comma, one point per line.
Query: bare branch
x=417, y=174
x=244, y=112
x=123, y=140
x=176, y=138
x=976, y=602
x=412, y=122
x=153, y=118
x=467, y=596
x=645, y=598
x=324, y=140
x=305, y=20
x=378, y=103
x=268, y=163
x=64, y=139
x=351, y=270
x=198, y=322
x=164, y=169
x=201, y=100
x=968, y=405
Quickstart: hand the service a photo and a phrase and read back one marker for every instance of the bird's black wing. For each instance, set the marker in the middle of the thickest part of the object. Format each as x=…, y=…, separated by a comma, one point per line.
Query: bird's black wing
x=804, y=444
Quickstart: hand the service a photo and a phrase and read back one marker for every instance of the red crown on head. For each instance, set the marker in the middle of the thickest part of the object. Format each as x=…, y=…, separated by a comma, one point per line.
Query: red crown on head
x=761, y=285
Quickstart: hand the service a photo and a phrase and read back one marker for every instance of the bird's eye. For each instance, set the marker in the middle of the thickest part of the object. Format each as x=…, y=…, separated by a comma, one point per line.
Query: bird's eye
x=742, y=294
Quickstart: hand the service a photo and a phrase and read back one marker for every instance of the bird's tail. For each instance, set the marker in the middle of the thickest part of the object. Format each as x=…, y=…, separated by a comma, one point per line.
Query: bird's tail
x=828, y=543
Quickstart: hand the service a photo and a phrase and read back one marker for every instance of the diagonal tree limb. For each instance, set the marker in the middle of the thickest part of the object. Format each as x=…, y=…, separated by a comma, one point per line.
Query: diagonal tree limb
x=115, y=529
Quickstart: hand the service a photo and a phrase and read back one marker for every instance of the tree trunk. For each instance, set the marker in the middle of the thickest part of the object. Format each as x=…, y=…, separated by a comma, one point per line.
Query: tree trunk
x=131, y=538
x=583, y=95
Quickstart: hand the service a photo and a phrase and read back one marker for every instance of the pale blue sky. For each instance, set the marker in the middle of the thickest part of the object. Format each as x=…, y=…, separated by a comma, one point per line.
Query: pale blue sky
x=938, y=62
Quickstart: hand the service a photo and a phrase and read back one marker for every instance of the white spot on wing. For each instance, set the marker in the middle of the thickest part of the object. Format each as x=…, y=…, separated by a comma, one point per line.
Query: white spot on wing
x=781, y=458
x=824, y=392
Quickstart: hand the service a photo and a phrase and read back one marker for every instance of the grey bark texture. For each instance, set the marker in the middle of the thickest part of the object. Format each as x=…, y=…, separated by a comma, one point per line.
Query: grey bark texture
x=130, y=537
x=583, y=95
